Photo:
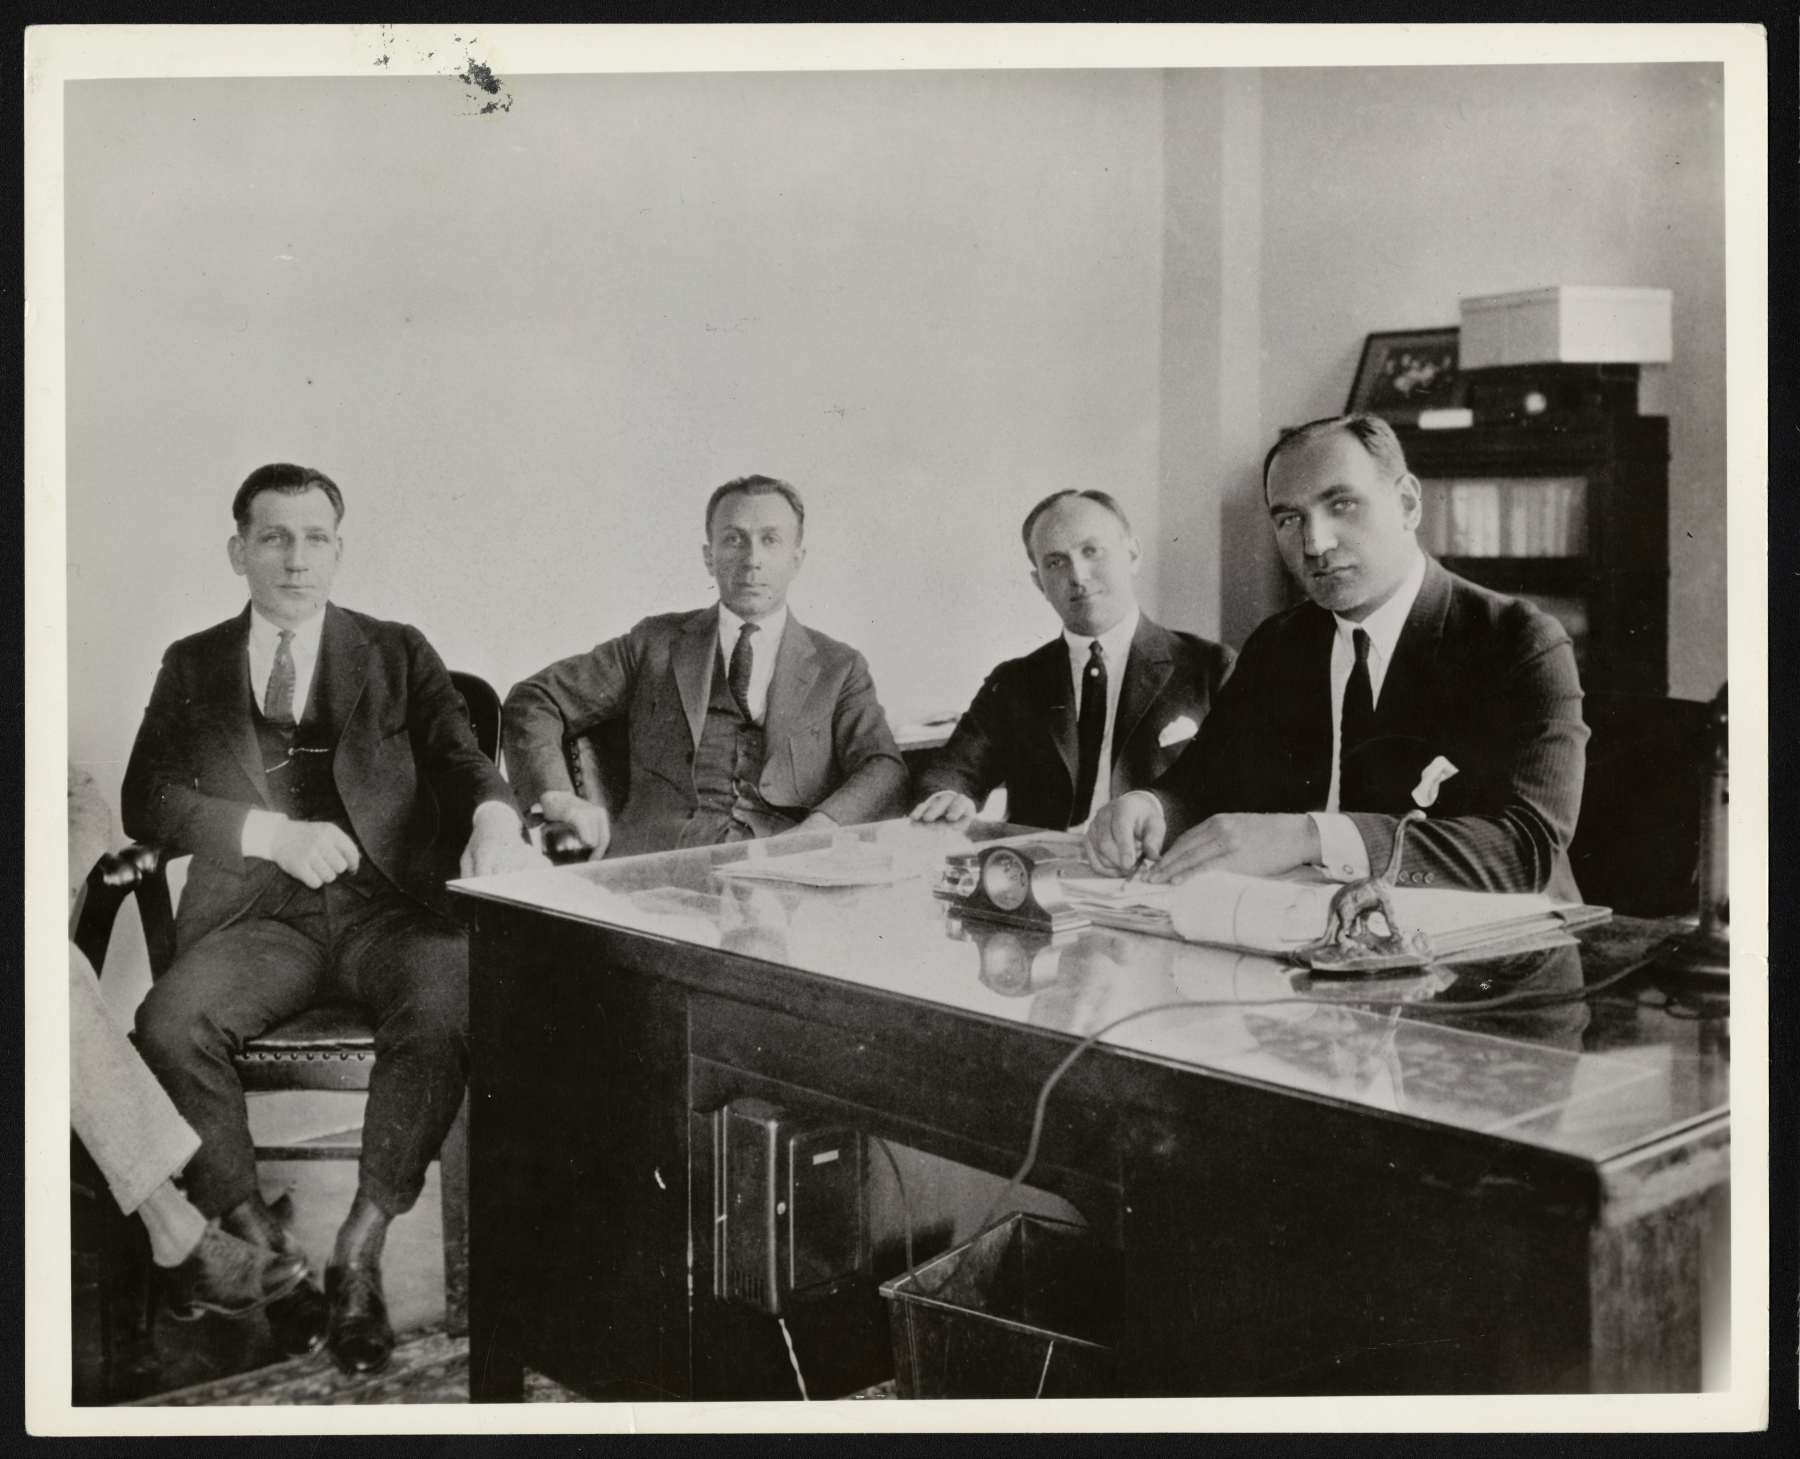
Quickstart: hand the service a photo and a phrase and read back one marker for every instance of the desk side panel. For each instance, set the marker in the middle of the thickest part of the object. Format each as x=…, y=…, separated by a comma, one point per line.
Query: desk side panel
x=578, y=1241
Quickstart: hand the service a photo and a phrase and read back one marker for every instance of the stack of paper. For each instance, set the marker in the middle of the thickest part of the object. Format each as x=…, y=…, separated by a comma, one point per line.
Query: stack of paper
x=854, y=864
x=1281, y=915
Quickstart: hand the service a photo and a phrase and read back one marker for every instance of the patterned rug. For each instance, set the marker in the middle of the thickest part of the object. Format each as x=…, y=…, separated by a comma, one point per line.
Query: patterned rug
x=428, y=1367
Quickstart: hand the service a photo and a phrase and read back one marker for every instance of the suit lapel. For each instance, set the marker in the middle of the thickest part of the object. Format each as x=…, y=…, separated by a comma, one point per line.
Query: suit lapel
x=1310, y=696
x=691, y=663
x=340, y=674
x=1148, y=668
x=796, y=671
x=1054, y=691
x=1406, y=695
x=230, y=707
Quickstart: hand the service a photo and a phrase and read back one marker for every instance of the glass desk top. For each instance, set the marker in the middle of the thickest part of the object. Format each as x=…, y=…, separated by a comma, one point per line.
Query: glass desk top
x=1593, y=1078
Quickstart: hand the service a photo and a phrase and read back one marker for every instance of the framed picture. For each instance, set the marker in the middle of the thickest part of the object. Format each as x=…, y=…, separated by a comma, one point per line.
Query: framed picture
x=1406, y=371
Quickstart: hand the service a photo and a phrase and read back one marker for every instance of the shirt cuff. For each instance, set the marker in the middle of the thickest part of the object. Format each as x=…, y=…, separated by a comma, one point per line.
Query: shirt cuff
x=1342, y=855
x=503, y=815
x=259, y=833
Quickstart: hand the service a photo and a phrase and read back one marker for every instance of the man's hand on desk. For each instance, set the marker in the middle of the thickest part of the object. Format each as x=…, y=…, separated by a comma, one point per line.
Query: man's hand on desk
x=314, y=852
x=1255, y=845
x=590, y=821
x=1125, y=829
x=1133, y=826
x=947, y=805
x=497, y=844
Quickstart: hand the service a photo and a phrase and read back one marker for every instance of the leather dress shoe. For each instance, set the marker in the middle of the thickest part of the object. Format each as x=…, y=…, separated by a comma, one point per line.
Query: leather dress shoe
x=231, y=1278
x=298, y=1321
x=361, y=1338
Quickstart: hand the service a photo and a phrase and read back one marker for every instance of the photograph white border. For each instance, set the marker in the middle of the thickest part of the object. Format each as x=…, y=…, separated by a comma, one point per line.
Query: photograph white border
x=57, y=55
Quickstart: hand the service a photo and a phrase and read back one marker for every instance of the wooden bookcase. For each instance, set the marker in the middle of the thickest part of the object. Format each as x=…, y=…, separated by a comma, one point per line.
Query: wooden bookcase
x=1605, y=570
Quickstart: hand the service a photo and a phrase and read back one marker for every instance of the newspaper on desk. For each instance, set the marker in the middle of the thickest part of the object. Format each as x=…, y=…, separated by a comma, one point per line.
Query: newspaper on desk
x=847, y=862
x=1279, y=915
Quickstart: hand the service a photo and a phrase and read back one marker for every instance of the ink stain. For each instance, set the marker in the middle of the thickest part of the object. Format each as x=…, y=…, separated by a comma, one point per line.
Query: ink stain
x=482, y=76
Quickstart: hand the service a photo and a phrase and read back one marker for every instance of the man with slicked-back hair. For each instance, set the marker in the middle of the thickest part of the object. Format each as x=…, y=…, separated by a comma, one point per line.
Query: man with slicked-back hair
x=1396, y=685
x=319, y=766
x=1105, y=707
x=741, y=723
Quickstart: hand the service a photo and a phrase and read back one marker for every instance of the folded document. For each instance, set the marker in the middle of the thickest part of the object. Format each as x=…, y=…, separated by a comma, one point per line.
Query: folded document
x=1279, y=916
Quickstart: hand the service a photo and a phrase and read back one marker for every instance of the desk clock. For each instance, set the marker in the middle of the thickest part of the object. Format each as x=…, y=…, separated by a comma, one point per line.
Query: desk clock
x=1018, y=884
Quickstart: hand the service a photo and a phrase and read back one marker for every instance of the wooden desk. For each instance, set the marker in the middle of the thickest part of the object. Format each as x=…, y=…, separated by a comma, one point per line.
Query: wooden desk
x=1308, y=1199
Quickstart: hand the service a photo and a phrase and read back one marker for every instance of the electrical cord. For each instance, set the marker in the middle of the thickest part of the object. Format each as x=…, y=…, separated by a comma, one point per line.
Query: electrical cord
x=1522, y=999
x=794, y=1358
x=913, y=1279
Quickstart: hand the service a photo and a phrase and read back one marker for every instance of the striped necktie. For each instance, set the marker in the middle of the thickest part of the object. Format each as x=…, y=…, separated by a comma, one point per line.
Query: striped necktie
x=278, y=703
x=742, y=661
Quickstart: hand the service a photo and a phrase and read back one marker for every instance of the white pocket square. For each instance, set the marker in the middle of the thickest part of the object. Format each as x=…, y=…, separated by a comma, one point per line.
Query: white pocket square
x=1436, y=773
x=1177, y=730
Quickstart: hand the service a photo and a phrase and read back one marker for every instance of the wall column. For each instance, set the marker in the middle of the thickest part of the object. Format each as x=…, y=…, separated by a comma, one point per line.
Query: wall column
x=1215, y=550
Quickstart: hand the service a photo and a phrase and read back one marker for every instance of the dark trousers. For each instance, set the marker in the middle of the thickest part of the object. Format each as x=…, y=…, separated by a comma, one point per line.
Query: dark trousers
x=407, y=964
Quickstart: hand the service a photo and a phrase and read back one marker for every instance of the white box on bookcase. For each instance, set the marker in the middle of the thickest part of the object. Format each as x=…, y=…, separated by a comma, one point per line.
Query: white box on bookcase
x=1567, y=324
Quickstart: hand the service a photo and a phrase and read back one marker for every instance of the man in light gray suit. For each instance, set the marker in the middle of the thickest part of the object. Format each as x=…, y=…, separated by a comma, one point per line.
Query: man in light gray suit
x=741, y=722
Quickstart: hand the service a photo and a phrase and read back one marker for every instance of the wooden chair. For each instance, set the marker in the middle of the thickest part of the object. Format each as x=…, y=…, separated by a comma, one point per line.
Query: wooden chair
x=1637, y=844
x=330, y=1046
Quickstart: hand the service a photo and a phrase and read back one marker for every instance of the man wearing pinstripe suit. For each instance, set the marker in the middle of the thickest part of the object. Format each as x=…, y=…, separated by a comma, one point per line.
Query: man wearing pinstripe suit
x=1397, y=684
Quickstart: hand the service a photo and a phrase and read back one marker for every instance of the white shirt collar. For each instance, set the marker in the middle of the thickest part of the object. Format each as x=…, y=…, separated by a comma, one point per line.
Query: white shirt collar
x=1384, y=625
x=768, y=632
x=1115, y=643
x=267, y=635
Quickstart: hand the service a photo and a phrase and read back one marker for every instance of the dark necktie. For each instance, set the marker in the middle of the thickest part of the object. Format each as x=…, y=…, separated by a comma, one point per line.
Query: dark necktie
x=278, y=702
x=1357, y=729
x=1090, y=730
x=738, y=677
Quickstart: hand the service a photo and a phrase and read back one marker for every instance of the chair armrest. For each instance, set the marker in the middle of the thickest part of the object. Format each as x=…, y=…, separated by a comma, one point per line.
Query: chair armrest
x=128, y=868
x=115, y=877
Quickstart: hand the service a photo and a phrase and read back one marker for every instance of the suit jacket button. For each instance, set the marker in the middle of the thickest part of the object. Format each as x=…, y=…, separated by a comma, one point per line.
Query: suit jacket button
x=1426, y=875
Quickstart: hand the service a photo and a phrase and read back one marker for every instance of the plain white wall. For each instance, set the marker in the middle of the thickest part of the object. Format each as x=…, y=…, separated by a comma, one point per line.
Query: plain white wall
x=1387, y=194
x=528, y=345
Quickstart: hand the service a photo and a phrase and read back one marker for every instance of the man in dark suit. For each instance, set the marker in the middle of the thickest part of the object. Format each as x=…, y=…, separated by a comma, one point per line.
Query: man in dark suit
x=1397, y=685
x=741, y=723
x=1103, y=709
x=320, y=767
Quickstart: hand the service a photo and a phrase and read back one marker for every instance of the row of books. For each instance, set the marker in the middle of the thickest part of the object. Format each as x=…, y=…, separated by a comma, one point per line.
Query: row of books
x=1544, y=516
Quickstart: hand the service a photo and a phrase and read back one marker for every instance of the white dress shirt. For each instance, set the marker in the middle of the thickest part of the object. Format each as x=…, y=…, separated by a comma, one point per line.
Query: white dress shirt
x=1115, y=650
x=1342, y=853
x=265, y=638
x=763, y=645
x=260, y=826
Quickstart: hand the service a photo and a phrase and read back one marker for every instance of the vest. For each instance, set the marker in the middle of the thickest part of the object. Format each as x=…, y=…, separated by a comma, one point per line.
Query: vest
x=727, y=768
x=297, y=765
